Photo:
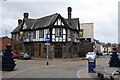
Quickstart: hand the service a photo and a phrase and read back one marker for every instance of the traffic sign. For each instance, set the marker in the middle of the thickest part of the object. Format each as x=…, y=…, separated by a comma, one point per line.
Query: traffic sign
x=47, y=40
x=47, y=43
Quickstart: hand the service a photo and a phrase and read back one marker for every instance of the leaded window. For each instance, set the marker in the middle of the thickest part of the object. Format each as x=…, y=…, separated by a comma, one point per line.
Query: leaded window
x=58, y=32
x=41, y=33
x=34, y=34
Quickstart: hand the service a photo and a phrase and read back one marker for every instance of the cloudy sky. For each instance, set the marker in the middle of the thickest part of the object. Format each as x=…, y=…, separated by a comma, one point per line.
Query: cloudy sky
x=103, y=13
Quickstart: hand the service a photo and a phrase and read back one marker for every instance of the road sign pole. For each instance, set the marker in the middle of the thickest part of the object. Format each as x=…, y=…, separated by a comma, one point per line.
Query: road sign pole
x=47, y=43
x=47, y=55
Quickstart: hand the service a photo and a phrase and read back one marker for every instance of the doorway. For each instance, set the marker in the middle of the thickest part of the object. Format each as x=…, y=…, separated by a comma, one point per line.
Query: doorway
x=58, y=51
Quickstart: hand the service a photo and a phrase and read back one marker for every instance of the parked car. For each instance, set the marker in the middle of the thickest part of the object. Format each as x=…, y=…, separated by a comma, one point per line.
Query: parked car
x=15, y=55
x=91, y=55
x=1, y=53
x=1, y=57
x=99, y=54
x=24, y=56
x=105, y=54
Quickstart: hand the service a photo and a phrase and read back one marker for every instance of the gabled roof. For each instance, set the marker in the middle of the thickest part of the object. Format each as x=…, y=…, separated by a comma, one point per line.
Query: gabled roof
x=17, y=29
x=29, y=23
x=45, y=22
x=1, y=38
x=37, y=23
x=74, y=23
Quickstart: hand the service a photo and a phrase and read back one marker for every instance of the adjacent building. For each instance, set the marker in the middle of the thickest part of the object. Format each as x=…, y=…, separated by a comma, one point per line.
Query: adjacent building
x=30, y=35
x=99, y=47
x=3, y=42
x=118, y=48
x=88, y=32
x=108, y=47
x=86, y=38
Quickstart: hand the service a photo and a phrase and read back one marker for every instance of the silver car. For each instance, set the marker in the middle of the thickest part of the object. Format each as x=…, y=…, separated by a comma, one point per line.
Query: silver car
x=91, y=56
x=24, y=56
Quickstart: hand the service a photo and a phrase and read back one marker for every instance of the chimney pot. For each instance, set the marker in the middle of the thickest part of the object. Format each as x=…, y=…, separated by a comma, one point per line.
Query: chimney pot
x=26, y=15
x=69, y=9
x=19, y=21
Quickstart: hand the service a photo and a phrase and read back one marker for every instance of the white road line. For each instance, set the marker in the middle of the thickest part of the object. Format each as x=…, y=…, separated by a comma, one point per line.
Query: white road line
x=13, y=74
x=78, y=73
x=0, y=77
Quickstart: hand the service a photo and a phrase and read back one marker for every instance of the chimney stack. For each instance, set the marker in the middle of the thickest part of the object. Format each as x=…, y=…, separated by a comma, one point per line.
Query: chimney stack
x=26, y=15
x=69, y=14
x=19, y=21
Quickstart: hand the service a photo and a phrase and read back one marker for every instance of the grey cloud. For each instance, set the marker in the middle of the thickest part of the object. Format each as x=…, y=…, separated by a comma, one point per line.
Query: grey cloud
x=104, y=19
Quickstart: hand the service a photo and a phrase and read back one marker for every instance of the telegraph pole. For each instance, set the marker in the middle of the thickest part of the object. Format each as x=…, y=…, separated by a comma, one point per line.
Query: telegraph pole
x=47, y=55
x=6, y=32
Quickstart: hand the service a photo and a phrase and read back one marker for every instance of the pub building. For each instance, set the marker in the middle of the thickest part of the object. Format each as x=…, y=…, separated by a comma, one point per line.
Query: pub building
x=30, y=36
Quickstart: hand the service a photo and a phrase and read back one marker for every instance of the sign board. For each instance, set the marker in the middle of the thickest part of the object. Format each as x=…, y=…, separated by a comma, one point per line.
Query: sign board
x=47, y=43
x=47, y=40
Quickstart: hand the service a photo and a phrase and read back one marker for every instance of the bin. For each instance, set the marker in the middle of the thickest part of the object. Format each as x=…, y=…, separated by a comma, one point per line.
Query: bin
x=91, y=65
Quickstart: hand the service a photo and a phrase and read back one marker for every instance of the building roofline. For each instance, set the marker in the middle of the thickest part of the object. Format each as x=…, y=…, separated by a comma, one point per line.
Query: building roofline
x=88, y=23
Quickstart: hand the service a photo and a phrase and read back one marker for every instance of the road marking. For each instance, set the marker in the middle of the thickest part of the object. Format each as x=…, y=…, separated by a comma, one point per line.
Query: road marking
x=9, y=75
x=78, y=73
x=0, y=77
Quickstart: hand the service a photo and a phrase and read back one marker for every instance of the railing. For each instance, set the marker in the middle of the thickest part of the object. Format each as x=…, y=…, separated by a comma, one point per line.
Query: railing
x=101, y=72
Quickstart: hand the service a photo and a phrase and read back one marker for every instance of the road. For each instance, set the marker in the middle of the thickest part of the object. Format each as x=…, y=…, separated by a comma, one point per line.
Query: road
x=57, y=68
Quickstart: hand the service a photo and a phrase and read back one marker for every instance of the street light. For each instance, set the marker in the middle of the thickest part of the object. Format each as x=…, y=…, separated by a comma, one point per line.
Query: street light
x=81, y=33
x=30, y=36
x=80, y=41
x=21, y=33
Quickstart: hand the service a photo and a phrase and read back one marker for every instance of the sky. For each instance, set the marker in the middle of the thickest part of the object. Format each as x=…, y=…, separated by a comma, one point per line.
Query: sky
x=103, y=13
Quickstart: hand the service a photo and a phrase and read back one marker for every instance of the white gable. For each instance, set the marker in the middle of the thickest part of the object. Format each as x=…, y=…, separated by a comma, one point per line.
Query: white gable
x=24, y=26
x=59, y=22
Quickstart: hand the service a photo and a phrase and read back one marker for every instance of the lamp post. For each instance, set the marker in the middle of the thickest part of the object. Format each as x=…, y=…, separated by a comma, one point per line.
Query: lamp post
x=81, y=42
x=21, y=35
x=81, y=33
x=21, y=39
x=30, y=35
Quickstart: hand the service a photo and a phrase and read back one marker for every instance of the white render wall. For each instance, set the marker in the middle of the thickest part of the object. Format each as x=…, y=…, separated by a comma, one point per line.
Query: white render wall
x=88, y=30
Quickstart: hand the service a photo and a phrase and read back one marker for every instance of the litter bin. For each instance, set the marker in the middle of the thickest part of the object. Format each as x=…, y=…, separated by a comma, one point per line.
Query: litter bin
x=91, y=65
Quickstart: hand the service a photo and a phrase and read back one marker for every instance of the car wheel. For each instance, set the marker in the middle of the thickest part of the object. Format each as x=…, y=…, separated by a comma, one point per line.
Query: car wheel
x=110, y=65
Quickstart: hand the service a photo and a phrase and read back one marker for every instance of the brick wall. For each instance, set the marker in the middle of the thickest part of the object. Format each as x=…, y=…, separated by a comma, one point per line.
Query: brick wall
x=4, y=42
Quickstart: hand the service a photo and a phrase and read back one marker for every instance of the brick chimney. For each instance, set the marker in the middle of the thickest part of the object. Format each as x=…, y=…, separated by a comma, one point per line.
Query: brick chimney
x=71, y=32
x=25, y=15
x=69, y=14
x=19, y=21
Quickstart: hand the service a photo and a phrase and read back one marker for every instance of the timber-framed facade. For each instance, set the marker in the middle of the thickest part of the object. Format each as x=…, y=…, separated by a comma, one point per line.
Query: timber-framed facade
x=30, y=35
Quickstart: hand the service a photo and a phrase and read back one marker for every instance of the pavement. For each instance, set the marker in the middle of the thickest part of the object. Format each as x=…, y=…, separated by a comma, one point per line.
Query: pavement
x=104, y=63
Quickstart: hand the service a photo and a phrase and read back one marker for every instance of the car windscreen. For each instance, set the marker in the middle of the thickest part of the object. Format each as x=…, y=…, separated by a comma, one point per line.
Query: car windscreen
x=90, y=53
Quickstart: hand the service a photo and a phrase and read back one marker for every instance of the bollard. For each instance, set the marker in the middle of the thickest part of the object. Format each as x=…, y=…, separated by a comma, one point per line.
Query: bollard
x=47, y=62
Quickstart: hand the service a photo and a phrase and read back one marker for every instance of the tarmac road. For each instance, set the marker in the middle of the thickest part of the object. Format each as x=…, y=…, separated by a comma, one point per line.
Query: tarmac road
x=57, y=68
